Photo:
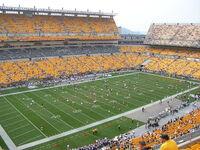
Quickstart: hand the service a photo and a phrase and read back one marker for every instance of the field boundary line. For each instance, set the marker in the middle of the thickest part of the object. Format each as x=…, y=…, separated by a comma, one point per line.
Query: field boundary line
x=30, y=139
x=78, y=82
x=28, y=145
x=7, y=139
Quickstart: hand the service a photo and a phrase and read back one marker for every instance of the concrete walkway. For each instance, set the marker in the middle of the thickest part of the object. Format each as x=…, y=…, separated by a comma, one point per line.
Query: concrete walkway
x=141, y=130
x=154, y=110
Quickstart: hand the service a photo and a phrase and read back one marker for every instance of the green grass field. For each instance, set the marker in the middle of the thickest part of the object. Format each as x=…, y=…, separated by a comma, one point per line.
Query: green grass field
x=34, y=115
x=3, y=144
x=187, y=97
x=85, y=137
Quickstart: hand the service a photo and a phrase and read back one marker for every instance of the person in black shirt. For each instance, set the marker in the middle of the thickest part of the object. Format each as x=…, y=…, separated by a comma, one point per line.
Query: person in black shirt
x=143, y=146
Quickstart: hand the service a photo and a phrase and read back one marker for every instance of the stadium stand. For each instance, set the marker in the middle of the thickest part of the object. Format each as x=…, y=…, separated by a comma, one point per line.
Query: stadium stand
x=71, y=62
x=194, y=147
x=20, y=27
x=175, y=66
x=190, y=53
x=183, y=66
x=183, y=35
x=57, y=67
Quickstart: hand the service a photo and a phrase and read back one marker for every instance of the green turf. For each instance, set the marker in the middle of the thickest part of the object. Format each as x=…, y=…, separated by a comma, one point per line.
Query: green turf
x=187, y=97
x=61, y=109
x=109, y=130
x=3, y=144
x=20, y=89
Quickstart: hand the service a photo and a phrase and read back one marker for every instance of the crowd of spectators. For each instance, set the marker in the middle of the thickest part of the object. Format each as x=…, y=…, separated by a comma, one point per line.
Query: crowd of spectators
x=183, y=53
x=20, y=27
x=184, y=35
x=61, y=67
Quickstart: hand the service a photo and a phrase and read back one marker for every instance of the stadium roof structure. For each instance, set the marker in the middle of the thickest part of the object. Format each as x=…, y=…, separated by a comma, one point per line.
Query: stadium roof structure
x=48, y=11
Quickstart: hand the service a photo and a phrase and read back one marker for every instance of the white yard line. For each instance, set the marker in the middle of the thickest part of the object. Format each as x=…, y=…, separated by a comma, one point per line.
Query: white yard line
x=69, y=84
x=42, y=117
x=7, y=139
x=25, y=117
x=16, y=116
x=30, y=139
x=14, y=129
x=53, y=113
x=14, y=122
x=98, y=122
x=81, y=106
x=14, y=137
x=4, y=110
x=5, y=114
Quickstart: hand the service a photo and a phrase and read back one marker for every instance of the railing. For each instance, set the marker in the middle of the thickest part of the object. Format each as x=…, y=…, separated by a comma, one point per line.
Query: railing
x=52, y=34
x=184, y=138
x=55, y=11
x=176, y=24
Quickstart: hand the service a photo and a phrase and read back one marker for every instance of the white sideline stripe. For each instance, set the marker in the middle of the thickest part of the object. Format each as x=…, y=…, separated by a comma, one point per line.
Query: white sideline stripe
x=68, y=84
x=28, y=145
x=7, y=139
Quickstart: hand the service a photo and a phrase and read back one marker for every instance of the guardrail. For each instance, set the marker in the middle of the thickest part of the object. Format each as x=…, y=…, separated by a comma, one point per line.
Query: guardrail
x=184, y=138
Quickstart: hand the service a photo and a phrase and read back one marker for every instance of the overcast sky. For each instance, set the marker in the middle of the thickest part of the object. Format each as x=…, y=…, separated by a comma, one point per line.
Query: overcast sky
x=136, y=15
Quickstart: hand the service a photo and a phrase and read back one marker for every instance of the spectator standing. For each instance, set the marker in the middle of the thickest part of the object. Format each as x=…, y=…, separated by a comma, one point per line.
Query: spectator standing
x=168, y=143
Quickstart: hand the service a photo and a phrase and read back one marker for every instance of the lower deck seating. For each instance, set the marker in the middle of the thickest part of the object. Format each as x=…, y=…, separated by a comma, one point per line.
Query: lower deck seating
x=194, y=147
x=13, y=71
x=190, y=53
x=57, y=67
x=175, y=66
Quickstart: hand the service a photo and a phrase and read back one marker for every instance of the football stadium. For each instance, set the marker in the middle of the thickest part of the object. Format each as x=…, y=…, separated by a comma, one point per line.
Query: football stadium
x=70, y=80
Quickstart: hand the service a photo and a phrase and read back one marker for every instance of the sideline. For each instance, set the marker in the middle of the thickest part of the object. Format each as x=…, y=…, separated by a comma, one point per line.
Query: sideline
x=7, y=139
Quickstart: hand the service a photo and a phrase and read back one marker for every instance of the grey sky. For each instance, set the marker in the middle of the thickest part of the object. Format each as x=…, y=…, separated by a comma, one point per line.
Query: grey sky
x=136, y=15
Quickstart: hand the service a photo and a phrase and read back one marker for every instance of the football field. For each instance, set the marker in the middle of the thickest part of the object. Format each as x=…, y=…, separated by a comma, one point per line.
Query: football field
x=37, y=114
